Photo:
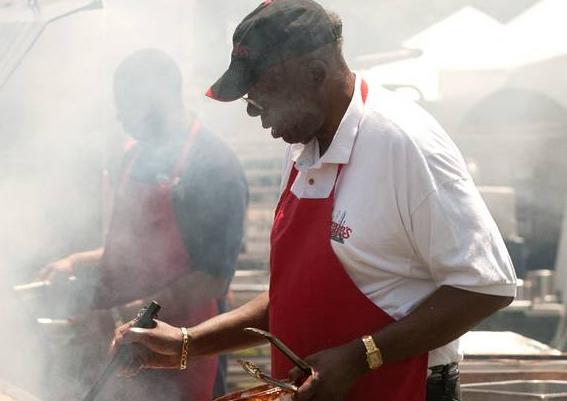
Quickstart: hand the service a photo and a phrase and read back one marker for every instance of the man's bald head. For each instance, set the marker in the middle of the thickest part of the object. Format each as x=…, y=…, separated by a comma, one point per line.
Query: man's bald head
x=147, y=86
x=148, y=72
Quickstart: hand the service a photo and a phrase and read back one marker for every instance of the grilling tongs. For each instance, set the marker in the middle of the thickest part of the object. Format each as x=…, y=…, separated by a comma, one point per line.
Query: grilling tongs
x=255, y=371
x=145, y=319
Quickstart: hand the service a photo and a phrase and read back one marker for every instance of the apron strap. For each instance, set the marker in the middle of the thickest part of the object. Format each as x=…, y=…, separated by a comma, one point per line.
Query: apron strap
x=179, y=164
x=364, y=90
x=129, y=166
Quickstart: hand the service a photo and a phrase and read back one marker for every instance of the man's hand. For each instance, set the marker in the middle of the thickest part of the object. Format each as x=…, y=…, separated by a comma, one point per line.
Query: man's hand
x=445, y=315
x=58, y=271
x=159, y=347
x=334, y=372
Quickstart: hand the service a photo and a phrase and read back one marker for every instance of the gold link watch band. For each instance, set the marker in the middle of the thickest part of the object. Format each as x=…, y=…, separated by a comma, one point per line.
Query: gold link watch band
x=373, y=355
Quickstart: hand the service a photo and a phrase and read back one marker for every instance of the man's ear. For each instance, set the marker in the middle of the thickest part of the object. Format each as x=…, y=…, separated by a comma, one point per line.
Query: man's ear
x=317, y=72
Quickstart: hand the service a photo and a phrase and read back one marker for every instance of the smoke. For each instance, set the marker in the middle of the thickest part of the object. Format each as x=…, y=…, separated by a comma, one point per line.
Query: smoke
x=58, y=130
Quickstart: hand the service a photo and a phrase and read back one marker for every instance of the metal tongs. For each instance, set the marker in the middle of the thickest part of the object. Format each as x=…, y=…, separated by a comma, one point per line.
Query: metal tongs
x=255, y=371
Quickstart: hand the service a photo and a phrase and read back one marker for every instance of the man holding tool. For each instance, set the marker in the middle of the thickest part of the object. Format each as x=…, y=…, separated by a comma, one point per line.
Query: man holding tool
x=382, y=250
x=176, y=226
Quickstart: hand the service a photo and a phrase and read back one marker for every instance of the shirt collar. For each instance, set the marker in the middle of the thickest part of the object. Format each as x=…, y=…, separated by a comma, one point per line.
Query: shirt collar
x=341, y=147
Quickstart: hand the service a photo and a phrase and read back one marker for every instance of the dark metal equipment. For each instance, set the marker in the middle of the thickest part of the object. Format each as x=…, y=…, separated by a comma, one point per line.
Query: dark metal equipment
x=516, y=390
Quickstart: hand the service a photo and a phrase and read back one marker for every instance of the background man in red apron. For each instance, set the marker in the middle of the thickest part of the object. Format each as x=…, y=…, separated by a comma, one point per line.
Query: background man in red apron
x=382, y=251
x=176, y=226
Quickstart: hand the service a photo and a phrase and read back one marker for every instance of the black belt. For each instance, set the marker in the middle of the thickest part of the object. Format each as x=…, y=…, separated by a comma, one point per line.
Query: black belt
x=442, y=370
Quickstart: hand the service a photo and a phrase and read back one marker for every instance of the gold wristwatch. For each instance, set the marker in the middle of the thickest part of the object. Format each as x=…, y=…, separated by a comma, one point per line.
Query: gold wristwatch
x=373, y=355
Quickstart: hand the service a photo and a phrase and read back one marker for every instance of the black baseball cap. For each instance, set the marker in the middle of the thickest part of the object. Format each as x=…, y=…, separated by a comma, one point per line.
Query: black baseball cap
x=276, y=31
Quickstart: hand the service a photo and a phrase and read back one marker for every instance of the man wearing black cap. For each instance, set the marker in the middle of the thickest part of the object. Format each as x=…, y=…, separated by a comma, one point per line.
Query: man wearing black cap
x=382, y=251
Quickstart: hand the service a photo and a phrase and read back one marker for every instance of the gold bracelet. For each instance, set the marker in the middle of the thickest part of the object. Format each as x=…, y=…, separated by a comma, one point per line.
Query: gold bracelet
x=184, y=349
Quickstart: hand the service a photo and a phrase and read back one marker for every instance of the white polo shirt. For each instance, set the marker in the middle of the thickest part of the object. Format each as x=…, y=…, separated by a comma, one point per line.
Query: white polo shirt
x=407, y=217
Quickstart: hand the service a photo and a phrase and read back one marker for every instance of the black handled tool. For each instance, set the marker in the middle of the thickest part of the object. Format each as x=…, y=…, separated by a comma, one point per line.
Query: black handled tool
x=144, y=320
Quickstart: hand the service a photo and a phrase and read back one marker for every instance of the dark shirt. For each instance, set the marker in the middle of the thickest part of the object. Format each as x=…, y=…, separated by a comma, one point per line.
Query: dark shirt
x=209, y=200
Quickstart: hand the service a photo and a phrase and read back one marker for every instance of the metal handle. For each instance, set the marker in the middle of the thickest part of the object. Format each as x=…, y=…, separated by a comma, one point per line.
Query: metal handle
x=255, y=371
x=300, y=363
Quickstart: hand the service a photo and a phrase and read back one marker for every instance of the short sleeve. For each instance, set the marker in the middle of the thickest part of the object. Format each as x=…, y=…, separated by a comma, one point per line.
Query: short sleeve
x=211, y=221
x=210, y=204
x=455, y=235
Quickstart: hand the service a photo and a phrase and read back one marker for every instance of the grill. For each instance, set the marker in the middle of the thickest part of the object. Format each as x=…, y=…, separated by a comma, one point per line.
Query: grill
x=516, y=390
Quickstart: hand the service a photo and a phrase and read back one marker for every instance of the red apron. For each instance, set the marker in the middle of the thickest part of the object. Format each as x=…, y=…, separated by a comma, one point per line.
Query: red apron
x=145, y=245
x=314, y=304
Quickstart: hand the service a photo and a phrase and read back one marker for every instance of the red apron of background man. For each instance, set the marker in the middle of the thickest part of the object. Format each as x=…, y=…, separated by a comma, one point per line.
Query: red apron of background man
x=145, y=239
x=314, y=305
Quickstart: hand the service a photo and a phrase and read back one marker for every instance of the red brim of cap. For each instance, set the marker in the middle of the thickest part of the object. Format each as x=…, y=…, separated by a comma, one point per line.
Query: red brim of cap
x=210, y=94
x=232, y=85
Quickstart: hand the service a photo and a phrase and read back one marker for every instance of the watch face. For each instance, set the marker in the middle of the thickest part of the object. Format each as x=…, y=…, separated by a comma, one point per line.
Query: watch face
x=374, y=360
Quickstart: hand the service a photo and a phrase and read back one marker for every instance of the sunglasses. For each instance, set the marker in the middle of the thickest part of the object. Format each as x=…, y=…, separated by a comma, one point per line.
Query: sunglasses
x=253, y=103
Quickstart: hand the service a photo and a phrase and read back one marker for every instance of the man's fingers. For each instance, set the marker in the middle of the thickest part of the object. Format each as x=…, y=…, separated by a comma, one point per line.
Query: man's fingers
x=135, y=335
x=130, y=366
x=148, y=338
x=113, y=347
x=161, y=344
x=124, y=327
x=133, y=359
x=307, y=391
x=296, y=375
x=118, y=340
x=160, y=361
x=128, y=336
x=50, y=273
x=44, y=272
x=140, y=357
x=129, y=371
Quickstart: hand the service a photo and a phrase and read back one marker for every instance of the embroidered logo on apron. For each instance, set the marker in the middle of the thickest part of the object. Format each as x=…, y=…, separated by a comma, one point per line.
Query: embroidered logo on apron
x=339, y=230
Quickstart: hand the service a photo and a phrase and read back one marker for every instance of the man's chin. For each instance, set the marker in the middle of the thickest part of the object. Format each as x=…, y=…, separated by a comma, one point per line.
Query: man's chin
x=288, y=140
x=284, y=135
x=291, y=139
